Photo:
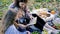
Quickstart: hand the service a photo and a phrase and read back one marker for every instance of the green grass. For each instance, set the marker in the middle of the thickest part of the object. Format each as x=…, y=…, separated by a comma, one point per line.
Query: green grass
x=35, y=32
x=1, y=14
x=58, y=26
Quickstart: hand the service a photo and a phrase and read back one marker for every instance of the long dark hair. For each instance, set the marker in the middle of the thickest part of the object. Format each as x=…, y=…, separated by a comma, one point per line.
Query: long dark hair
x=17, y=2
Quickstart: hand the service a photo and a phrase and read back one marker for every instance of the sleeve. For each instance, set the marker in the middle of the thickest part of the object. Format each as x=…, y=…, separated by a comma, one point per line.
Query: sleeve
x=11, y=6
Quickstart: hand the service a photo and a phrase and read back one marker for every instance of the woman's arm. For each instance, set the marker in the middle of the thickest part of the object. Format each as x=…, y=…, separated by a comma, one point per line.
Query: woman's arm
x=16, y=21
x=19, y=25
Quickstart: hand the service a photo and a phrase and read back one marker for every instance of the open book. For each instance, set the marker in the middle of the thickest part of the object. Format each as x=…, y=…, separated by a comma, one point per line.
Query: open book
x=32, y=21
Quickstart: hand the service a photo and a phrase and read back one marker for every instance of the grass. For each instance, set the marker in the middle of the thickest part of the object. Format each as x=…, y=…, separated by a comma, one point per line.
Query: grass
x=35, y=32
x=1, y=15
x=58, y=26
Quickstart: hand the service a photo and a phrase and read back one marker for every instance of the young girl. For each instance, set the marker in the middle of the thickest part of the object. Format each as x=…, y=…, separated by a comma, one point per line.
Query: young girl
x=19, y=23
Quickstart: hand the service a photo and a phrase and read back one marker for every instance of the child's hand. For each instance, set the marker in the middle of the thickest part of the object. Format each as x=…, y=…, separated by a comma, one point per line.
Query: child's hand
x=21, y=25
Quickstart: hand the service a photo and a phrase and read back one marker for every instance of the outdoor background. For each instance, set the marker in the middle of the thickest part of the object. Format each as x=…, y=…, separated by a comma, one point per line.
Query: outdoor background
x=50, y=4
x=33, y=4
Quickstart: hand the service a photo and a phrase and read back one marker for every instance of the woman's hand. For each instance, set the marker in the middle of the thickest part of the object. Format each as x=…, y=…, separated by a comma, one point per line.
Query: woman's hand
x=21, y=25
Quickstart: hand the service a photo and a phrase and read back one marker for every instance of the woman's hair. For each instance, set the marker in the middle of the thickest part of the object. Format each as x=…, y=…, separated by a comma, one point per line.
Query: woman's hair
x=17, y=2
x=25, y=1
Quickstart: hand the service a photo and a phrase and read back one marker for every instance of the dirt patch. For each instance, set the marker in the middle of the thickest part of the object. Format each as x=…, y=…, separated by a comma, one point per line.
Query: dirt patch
x=1, y=27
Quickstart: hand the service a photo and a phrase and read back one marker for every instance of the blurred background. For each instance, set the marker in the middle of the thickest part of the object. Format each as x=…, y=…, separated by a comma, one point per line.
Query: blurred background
x=34, y=4
x=50, y=4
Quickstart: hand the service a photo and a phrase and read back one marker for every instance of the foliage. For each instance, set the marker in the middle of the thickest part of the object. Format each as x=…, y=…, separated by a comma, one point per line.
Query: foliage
x=35, y=32
x=4, y=6
x=37, y=4
x=58, y=33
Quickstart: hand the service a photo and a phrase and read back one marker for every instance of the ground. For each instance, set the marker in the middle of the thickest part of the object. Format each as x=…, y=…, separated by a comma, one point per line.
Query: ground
x=1, y=27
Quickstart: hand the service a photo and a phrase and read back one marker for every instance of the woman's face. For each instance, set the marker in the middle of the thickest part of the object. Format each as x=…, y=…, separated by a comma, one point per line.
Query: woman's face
x=22, y=4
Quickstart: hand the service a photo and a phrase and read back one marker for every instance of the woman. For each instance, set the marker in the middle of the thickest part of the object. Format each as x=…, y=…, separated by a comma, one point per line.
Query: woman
x=9, y=18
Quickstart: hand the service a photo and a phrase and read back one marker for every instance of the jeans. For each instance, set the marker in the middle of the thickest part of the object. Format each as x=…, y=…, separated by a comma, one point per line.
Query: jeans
x=33, y=28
